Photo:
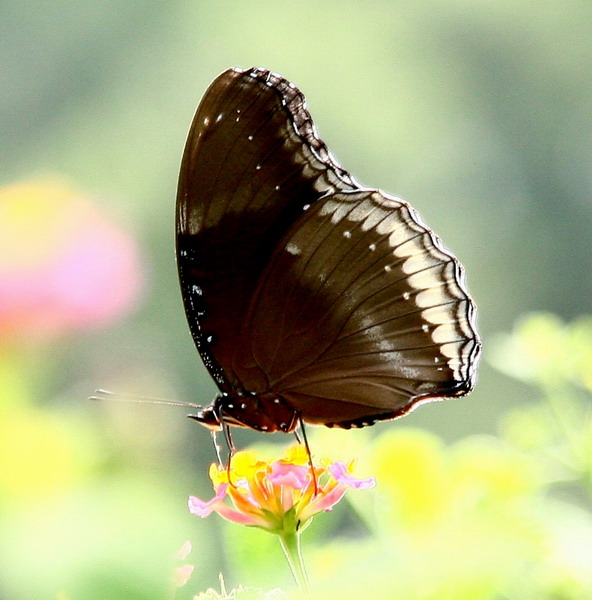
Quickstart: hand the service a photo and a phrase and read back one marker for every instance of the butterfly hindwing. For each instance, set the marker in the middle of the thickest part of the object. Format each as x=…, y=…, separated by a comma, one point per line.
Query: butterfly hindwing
x=361, y=306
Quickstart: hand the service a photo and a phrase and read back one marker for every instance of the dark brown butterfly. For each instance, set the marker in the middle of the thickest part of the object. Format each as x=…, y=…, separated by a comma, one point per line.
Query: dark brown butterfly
x=309, y=297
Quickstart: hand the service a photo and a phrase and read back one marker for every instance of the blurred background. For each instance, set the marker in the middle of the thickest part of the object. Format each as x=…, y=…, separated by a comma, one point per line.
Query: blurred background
x=478, y=114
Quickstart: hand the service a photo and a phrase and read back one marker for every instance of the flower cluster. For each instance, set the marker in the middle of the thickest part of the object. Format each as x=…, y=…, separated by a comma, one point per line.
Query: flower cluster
x=278, y=496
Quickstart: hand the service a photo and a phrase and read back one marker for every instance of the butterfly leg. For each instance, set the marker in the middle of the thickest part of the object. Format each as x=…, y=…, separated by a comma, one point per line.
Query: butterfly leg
x=216, y=446
x=305, y=442
x=229, y=444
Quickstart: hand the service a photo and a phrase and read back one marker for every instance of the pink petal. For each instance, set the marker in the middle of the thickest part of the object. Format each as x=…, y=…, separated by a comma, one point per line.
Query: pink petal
x=230, y=514
x=284, y=474
x=182, y=574
x=201, y=508
x=339, y=471
x=323, y=502
x=183, y=551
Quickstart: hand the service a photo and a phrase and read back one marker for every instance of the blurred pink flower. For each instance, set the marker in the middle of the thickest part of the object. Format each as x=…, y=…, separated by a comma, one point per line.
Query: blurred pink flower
x=63, y=265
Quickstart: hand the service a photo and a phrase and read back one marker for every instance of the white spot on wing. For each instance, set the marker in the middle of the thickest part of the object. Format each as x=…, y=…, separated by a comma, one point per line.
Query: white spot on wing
x=425, y=280
x=372, y=220
x=386, y=345
x=437, y=315
x=410, y=247
x=293, y=249
x=416, y=263
x=432, y=297
x=337, y=209
x=362, y=212
x=388, y=224
x=443, y=334
x=398, y=236
x=450, y=350
x=307, y=171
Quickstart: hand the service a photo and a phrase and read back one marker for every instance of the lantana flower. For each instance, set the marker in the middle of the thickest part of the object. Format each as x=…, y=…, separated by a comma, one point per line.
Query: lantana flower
x=278, y=496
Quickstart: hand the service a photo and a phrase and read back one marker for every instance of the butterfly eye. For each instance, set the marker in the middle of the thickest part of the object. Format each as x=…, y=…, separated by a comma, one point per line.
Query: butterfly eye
x=309, y=297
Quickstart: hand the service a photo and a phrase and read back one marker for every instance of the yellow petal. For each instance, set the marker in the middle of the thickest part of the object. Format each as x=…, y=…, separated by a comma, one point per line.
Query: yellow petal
x=296, y=455
x=245, y=464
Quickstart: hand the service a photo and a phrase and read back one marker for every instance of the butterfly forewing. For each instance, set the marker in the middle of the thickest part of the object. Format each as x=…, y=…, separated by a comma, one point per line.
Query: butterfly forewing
x=301, y=286
x=246, y=173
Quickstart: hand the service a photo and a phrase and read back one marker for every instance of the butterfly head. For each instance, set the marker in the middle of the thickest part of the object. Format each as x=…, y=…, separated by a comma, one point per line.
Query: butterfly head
x=261, y=412
x=208, y=418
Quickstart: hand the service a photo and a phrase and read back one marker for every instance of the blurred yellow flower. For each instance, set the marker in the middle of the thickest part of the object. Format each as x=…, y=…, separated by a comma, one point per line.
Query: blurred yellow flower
x=39, y=454
x=414, y=476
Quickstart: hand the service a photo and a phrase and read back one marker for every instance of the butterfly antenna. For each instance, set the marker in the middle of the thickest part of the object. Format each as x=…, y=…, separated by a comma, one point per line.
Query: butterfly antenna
x=308, y=453
x=117, y=397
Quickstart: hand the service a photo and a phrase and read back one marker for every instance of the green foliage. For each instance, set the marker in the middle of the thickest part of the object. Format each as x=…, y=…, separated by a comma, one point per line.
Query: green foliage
x=556, y=359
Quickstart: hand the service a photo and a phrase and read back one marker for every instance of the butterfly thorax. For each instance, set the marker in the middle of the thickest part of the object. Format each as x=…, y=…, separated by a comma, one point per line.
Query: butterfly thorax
x=263, y=412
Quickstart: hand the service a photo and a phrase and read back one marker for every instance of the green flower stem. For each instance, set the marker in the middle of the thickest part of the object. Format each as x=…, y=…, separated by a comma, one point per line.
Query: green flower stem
x=290, y=542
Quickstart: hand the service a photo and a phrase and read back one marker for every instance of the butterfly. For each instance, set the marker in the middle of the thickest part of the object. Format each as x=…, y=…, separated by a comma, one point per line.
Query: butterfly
x=310, y=298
